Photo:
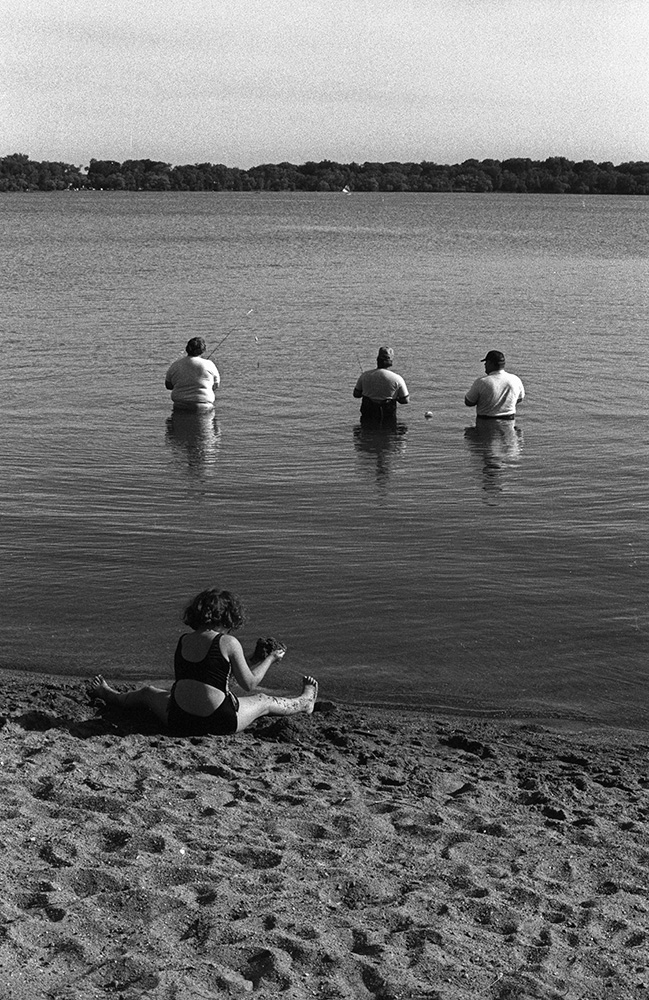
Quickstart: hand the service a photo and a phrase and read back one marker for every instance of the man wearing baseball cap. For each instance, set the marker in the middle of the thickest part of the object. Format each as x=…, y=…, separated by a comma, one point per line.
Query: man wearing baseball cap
x=380, y=389
x=496, y=393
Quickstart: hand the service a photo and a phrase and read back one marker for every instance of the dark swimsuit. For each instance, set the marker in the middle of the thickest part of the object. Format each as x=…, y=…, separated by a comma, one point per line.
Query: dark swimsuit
x=214, y=670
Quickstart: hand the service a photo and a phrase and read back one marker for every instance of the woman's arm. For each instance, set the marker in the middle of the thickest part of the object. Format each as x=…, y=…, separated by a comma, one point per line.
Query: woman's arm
x=248, y=677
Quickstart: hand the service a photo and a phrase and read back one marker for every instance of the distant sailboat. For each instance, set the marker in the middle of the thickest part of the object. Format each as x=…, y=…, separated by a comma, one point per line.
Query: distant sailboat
x=346, y=189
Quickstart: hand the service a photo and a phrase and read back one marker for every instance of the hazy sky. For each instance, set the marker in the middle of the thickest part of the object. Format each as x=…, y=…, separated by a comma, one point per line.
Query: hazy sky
x=244, y=82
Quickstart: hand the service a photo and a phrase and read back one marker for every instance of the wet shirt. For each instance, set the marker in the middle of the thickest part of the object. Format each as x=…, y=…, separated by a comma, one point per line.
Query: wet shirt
x=193, y=380
x=381, y=384
x=496, y=395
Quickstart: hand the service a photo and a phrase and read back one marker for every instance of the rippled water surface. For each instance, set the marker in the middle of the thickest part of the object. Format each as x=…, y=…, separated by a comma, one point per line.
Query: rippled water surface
x=432, y=566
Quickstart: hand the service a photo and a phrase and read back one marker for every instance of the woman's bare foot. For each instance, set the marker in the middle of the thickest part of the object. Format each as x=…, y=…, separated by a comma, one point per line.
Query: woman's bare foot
x=98, y=688
x=310, y=689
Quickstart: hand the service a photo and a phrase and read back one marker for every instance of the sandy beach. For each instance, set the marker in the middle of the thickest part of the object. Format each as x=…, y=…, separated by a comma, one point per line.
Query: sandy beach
x=357, y=853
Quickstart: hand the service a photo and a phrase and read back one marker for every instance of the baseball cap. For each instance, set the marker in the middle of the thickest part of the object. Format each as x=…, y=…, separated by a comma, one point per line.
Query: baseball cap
x=386, y=354
x=496, y=357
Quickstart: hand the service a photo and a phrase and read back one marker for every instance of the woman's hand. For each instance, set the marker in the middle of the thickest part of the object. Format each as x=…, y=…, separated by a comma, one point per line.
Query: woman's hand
x=267, y=646
x=267, y=652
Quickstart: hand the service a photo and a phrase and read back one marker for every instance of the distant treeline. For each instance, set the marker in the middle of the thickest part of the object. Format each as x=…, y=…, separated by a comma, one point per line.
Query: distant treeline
x=556, y=175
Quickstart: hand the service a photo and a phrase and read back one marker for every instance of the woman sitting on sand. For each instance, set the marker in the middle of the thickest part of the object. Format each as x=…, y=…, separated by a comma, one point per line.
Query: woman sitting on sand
x=200, y=701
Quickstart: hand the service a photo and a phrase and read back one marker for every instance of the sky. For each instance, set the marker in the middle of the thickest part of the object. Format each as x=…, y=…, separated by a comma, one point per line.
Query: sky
x=245, y=82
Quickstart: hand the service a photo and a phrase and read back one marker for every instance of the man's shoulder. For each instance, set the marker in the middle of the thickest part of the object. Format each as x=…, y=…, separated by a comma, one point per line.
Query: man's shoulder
x=502, y=374
x=205, y=364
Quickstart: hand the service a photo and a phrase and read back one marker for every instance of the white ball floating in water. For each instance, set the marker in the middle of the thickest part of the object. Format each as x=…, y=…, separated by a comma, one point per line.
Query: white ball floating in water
x=428, y=414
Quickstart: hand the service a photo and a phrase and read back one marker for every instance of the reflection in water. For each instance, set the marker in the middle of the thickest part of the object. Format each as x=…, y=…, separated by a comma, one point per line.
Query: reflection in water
x=196, y=436
x=380, y=445
x=497, y=446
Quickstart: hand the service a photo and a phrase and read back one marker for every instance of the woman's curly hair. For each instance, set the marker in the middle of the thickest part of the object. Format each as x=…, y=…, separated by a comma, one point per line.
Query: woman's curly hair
x=215, y=608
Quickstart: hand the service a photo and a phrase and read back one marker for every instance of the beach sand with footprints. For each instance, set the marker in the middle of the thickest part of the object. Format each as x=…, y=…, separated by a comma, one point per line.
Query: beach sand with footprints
x=356, y=853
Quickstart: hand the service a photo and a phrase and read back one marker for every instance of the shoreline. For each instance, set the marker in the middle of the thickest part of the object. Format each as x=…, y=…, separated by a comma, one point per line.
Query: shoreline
x=543, y=715
x=360, y=852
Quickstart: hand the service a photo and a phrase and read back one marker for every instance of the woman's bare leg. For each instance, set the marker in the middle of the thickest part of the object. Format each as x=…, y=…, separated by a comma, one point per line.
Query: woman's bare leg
x=254, y=706
x=154, y=698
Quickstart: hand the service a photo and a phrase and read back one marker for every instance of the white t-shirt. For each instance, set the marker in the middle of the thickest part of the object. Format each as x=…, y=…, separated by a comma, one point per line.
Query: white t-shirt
x=496, y=394
x=193, y=380
x=381, y=384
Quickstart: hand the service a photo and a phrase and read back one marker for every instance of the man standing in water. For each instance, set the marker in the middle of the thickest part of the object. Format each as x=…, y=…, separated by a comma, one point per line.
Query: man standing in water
x=380, y=390
x=193, y=379
x=496, y=393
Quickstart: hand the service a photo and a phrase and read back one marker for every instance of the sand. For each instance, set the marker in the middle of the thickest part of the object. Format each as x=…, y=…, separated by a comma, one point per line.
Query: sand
x=357, y=853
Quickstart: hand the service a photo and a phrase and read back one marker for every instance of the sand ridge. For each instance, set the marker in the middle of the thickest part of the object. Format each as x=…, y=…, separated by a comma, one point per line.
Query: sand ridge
x=357, y=853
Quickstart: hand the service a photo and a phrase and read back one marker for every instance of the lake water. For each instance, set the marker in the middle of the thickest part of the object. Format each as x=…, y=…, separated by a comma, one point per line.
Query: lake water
x=428, y=567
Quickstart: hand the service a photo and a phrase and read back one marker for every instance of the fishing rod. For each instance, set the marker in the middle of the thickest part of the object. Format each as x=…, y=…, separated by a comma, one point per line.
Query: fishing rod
x=225, y=338
x=218, y=345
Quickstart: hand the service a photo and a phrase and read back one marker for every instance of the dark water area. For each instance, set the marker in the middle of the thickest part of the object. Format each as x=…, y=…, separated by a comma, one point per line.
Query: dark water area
x=437, y=564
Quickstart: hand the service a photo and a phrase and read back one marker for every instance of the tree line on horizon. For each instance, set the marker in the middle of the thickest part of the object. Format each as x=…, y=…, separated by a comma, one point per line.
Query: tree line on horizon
x=555, y=175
